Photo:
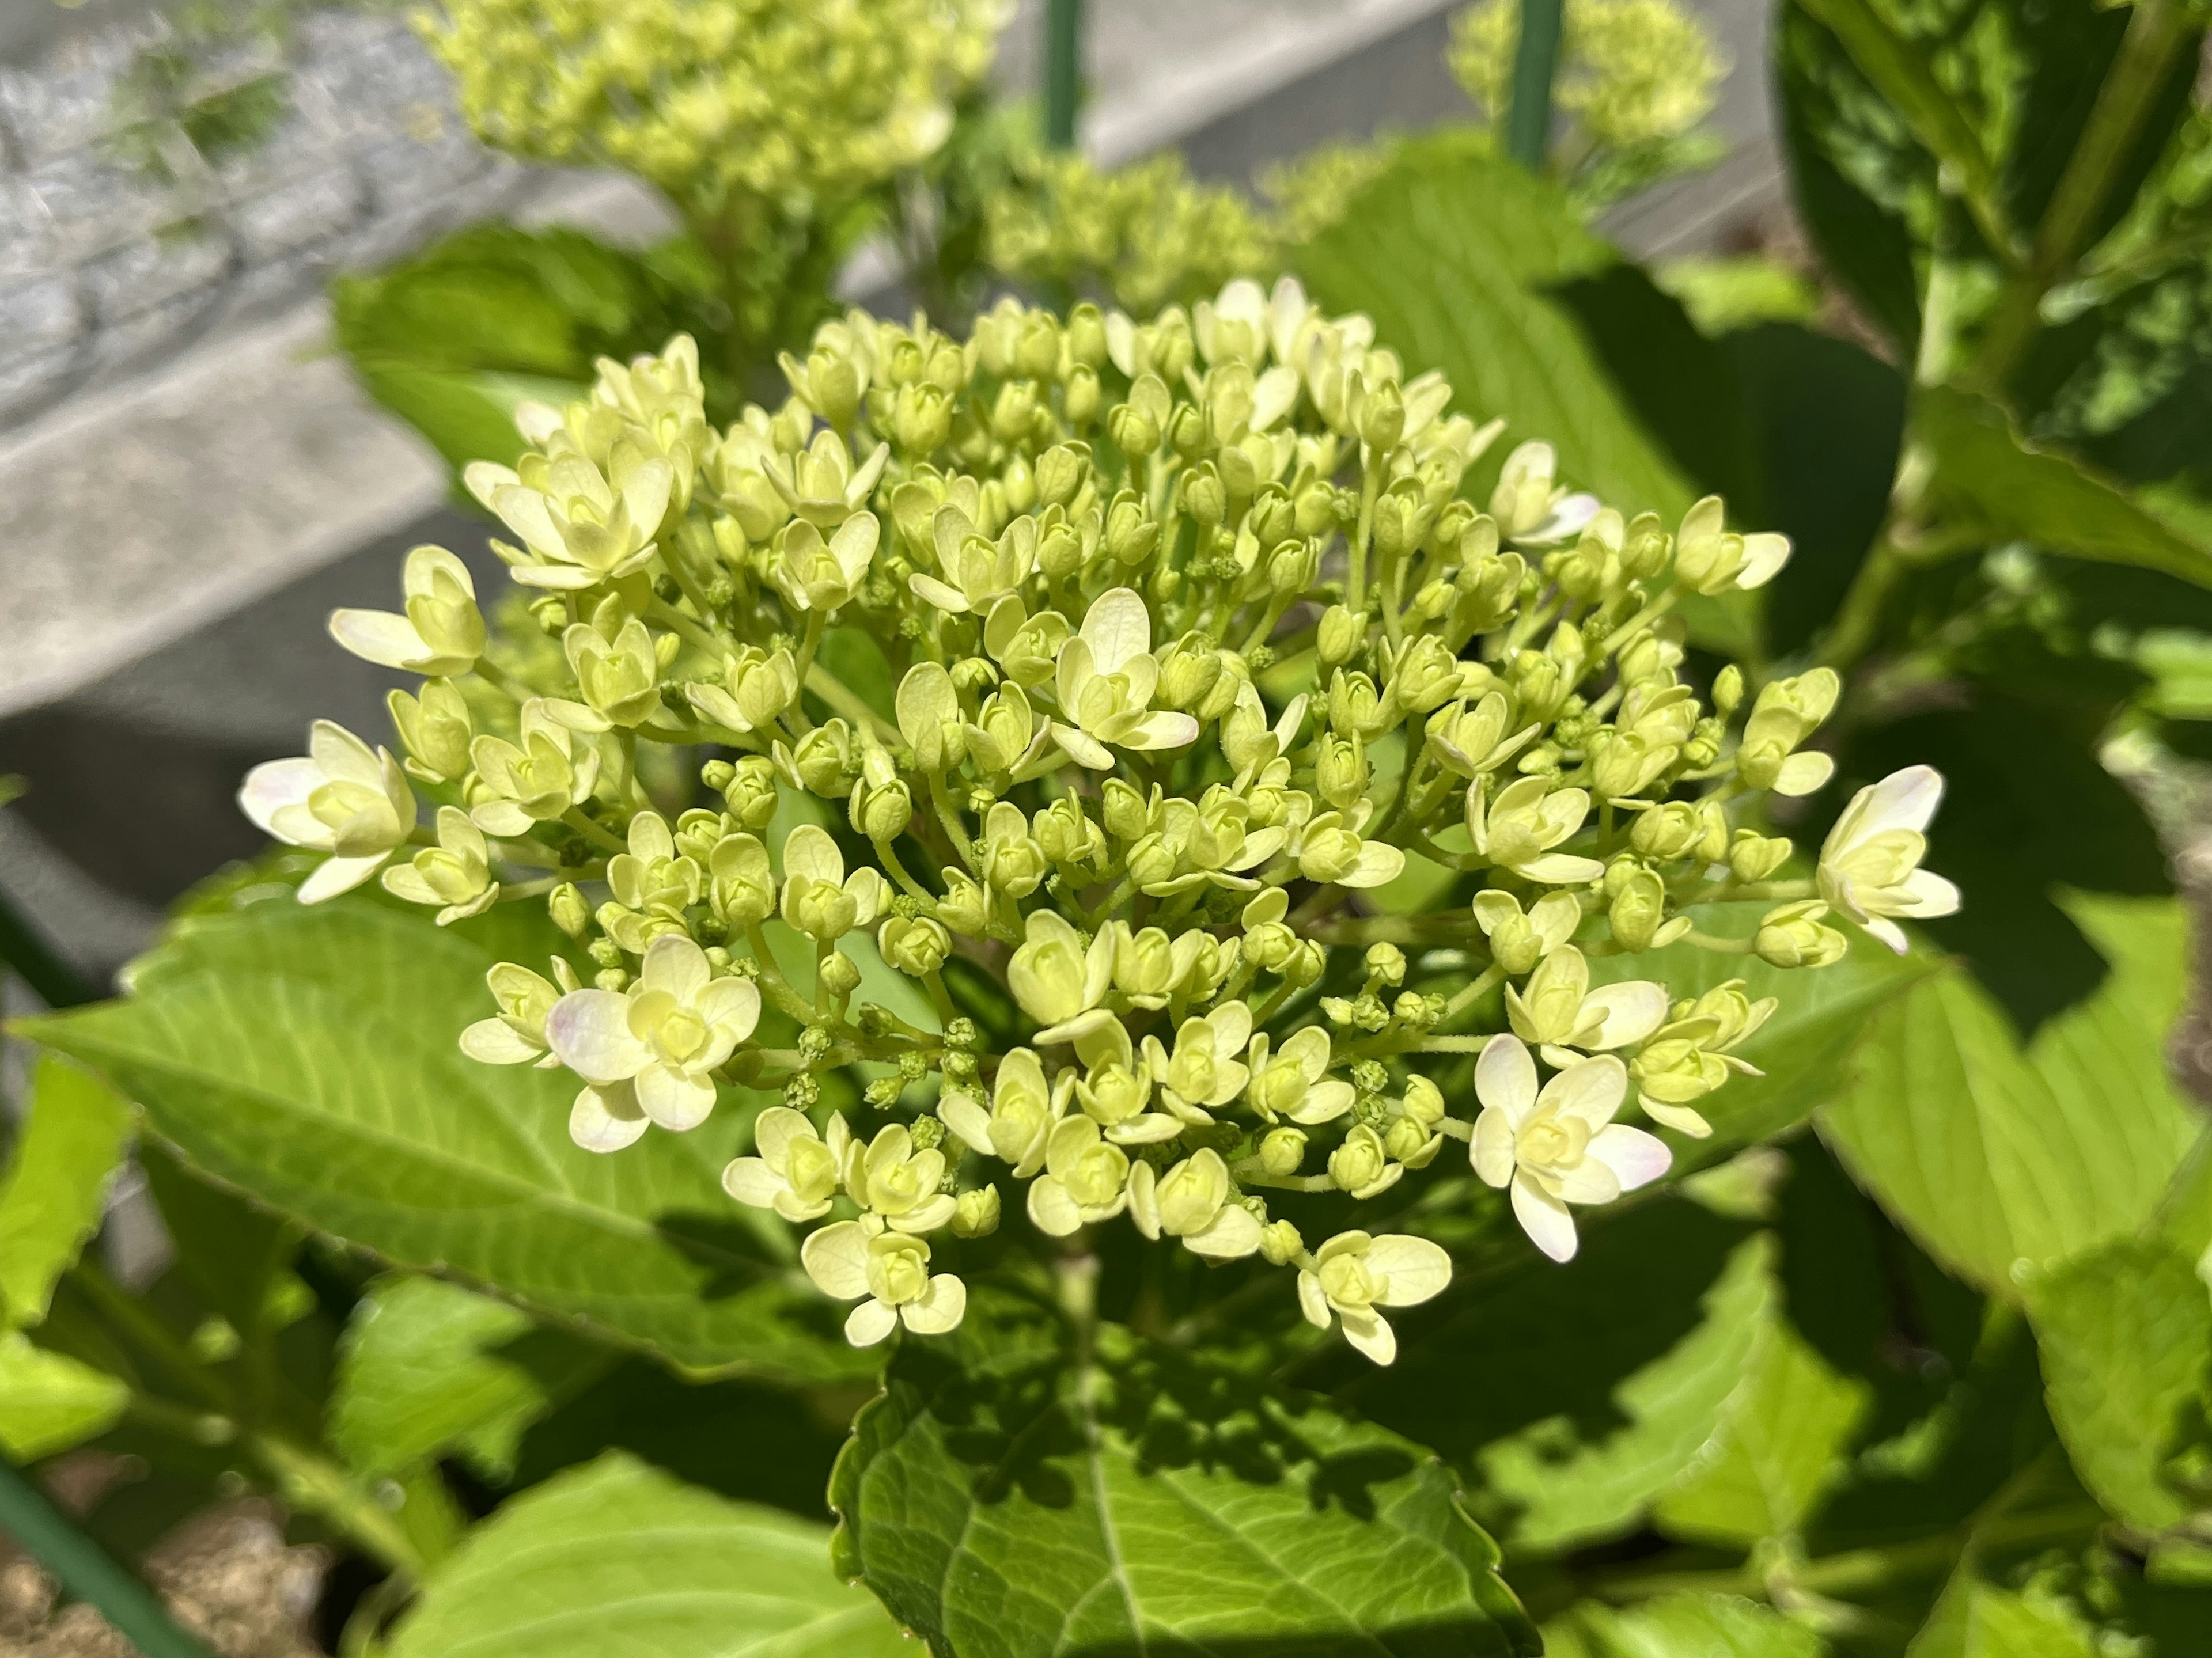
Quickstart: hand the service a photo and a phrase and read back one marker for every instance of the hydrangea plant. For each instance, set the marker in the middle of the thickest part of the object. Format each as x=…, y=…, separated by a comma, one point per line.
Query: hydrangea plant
x=1188, y=644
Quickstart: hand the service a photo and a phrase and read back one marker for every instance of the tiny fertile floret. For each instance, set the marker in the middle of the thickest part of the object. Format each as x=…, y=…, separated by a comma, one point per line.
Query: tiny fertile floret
x=1161, y=767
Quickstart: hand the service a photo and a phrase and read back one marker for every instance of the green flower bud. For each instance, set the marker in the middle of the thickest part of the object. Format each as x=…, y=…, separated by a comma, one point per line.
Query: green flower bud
x=1135, y=433
x=1667, y=832
x=1753, y=857
x=1728, y=690
x=1387, y=963
x=1131, y=533
x=1382, y=418
x=880, y=811
x=751, y=790
x=1011, y=862
x=922, y=420
x=1404, y=1140
x=1307, y=963
x=1791, y=935
x=1086, y=335
x=1341, y=633
x=1401, y=518
x=916, y=945
x=976, y=1215
x=841, y=975
x=741, y=888
x=1282, y=1149
x=1204, y=496
x=1081, y=399
x=435, y=730
x=1645, y=547
x=1341, y=772
x=1062, y=472
x=568, y=910
x=823, y=759
x=1129, y=814
x=1361, y=1165
x=1280, y=1244
x=1638, y=908
x=1425, y=1102
x=965, y=907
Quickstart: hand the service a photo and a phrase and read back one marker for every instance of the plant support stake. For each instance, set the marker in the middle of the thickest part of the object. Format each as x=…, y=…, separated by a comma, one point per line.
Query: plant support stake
x=87, y=1571
x=1063, y=69
x=1528, y=120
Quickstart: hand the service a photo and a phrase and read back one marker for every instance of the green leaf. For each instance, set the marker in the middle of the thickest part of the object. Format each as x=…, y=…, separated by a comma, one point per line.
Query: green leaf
x=1994, y=1154
x=616, y=1557
x=1006, y=1501
x=308, y=1057
x=1989, y=475
x=1780, y=1444
x=49, y=1402
x=1578, y=1394
x=2126, y=1339
x=427, y=1366
x=1975, y=1620
x=56, y=1188
x=1682, y=1626
x=1449, y=250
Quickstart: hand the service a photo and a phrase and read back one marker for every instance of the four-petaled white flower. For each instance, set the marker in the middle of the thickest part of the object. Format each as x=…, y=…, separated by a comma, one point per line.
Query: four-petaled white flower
x=516, y=1035
x=897, y=1183
x=1085, y=1179
x=1057, y=979
x=848, y=1260
x=1353, y=1274
x=1207, y=1070
x=1528, y=508
x=1560, y=1146
x=455, y=873
x=977, y=572
x=819, y=898
x=1195, y=1201
x=1870, y=864
x=1328, y=848
x=343, y=799
x=649, y=1053
x=1518, y=830
x=1558, y=1010
x=1294, y=1082
x=1023, y=1110
x=442, y=633
x=797, y=1171
x=548, y=769
x=1105, y=681
x=815, y=574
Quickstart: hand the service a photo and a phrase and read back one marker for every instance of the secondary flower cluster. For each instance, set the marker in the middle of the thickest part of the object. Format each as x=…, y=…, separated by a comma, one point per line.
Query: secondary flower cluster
x=1149, y=694
x=714, y=98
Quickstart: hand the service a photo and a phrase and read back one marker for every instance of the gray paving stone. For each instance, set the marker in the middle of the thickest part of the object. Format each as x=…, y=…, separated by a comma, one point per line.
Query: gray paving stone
x=37, y=315
x=153, y=271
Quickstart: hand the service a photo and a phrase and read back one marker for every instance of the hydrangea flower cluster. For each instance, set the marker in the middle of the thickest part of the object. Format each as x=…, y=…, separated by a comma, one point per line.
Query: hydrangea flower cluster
x=748, y=98
x=1186, y=644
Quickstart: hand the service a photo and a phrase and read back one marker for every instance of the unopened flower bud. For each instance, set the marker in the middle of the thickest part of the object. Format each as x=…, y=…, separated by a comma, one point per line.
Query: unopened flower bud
x=1728, y=690
x=1425, y=1102
x=841, y=975
x=916, y=946
x=1403, y=1140
x=1791, y=936
x=1282, y=1149
x=1755, y=857
x=751, y=790
x=1638, y=908
x=976, y=1214
x=1280, y=1244
x=1385, y=962
x=1341, y=633
x=1061, y=472
x=1667, y=832
x=566, y=905
x=965, y=907
x=1341, y=771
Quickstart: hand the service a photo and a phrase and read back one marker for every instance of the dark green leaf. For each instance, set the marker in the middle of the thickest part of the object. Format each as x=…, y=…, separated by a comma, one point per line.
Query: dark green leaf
x=1996, y=482
x=617, y=1557
x=2126, y=1338
x=1579, y=1393
x=1999, y=1155
x=308, y=1057
x=56, y=1186
x=429, y=1367
x=1006, y=1500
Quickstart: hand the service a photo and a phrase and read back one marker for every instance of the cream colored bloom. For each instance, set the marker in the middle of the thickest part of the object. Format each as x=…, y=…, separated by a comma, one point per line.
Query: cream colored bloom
x=1525, y=823
x=580, y=527
x=1557, y=1009
x=1710, y=559
x=888, y=1272
x=517, y=1034
x=665, y=1036
x=796, y=1171
x=1560, y=1146
x=819, y=898
x=535, y=780
x=1870, y=864
x=761, y=686
x=1195, y=1201
x=442, y=632
x=1328, y=848
x=1692, y=1054
x=1056, y=977
x=1207, y=1070
x=821, y=485
x=343, y=798
x=815, y=574
x=619, y=676
x=897, y=1183
x=1024, y=1108
x=1085, y=1180
x=1293, y=1081
x=1105, y=682
x=978, y=571
x=456, y=874
x=1527, y=505
x=1518, y=941
x=1354, y=1273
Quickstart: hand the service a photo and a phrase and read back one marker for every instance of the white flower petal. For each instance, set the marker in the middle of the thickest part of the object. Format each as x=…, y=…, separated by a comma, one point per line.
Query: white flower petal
x=1633, y=1010
x=605, y=1120
x=1682, y=1119
x=941, y=1308
x=495, y=1042
x=1229, y=1236
x=382, y=637
x=836, y=1257
x=337, y=875
x=1491, y=1148
x=751, y=1181
x=1635, y=1157
x=1544, y=1218
x=1505, y=1079
x=1932, y=894
x=1416, y=1268
x=1312, y=1301
x=1372, y=1336
x=589, y=1030
x=1591, y=1090
x=869, y=1323
x=1051, y=1209
x=677, y=1100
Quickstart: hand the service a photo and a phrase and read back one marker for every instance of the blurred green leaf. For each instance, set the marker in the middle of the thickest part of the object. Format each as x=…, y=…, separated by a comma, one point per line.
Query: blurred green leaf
x=616, y=1557
x=1976, y=1620
x=2126, y=1339
x=1999, y=1155
x=1993, y=480
x=1681, y=1626
x=55, y=1191
x=49, y=1402
x=1780, y=1444
x=1006, y=1499
x=308, y=1056
x=428, y=1367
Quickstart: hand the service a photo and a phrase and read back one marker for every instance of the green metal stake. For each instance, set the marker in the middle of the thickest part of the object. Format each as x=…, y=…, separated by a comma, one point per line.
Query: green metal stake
x=1063, y=69
x=1528, y=120
x=87, y=1571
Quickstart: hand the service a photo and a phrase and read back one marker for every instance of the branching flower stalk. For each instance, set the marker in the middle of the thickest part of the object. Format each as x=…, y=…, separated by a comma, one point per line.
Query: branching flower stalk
x=1192, y=644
